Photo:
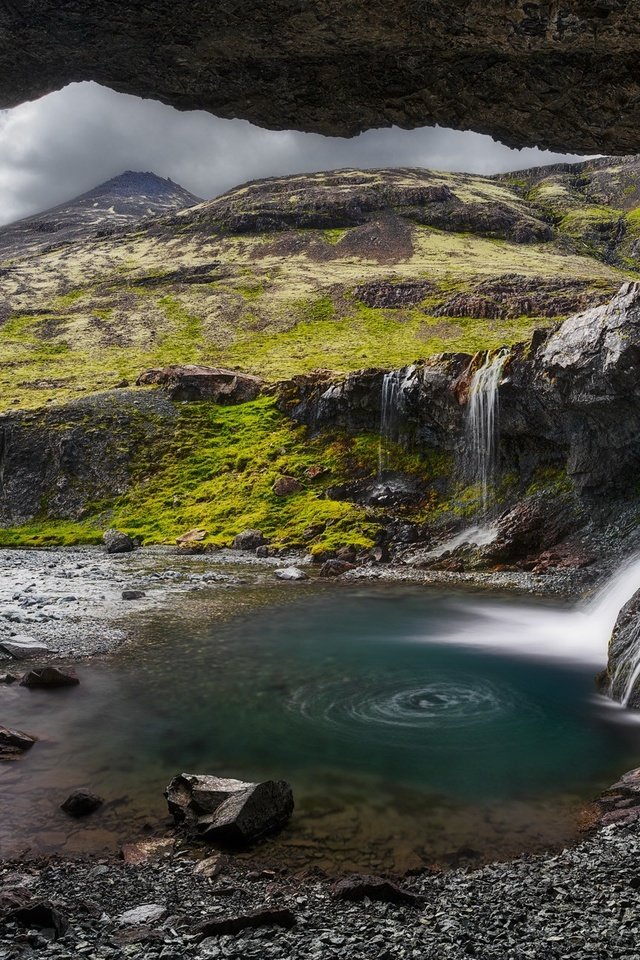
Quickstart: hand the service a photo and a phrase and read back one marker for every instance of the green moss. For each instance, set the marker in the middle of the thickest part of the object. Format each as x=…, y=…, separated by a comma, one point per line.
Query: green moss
x=334, y=235
x=552, y=479
x=51, y=533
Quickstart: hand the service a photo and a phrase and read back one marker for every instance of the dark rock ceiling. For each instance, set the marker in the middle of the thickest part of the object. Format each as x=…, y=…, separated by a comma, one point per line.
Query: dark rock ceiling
x=563, y=75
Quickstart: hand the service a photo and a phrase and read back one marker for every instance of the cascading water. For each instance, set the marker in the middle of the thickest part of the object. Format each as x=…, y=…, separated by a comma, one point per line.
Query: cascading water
x=482, y=425
x=391, y=410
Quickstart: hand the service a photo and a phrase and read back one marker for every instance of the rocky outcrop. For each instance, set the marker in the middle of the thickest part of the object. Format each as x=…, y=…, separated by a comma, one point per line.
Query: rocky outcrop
x=622, y=682
x=229, y=811
x=54, y=462
x=620, y=803
x=494, y=69
x=194, y=382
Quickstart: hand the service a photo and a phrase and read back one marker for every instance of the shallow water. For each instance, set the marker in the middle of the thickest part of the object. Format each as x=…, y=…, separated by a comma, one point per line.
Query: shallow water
x=411, y=730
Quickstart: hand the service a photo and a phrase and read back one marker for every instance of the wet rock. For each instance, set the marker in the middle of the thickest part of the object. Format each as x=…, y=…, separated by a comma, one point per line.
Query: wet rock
x=117, y=542
x=291, y=573
x=9, y=678
x=191, y=382
x=229, y=811
x=286, y=486
x=265, y=917
x=133, y=594
x=143, y=914
x=335, y=568
x=374, y=888
x=13, y=743
x=25, y=648
x=534, y=525
x=143, y=851
x=41, y=915
x=620, y=803
x=50, y=677
x=624, y=654
x=81, y=803
x=249, y=540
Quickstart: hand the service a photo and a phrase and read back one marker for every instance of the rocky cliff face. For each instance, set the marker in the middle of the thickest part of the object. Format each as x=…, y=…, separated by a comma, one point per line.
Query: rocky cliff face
x=560, y=75
x=569, y=398
x=621, y=681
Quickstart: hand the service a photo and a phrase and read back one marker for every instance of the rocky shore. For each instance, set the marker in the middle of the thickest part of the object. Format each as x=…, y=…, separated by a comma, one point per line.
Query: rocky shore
x=581, y=903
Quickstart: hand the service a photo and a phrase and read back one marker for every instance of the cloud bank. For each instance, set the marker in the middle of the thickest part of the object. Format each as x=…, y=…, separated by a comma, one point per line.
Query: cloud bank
x=56, y=148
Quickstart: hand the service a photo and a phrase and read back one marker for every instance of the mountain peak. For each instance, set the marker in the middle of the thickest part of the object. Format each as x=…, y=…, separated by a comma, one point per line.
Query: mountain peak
x=117, y=204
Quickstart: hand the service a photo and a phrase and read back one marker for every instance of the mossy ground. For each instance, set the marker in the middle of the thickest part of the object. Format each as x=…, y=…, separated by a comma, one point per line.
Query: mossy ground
x=217, y=471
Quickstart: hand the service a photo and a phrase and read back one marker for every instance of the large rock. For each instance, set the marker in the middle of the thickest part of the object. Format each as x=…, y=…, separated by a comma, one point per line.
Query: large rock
x=249, y=540
x=624, y=655
x=50, y=677
x=340, y=69
x=229, y=811
x=25, y=648
x=117, y=542
x=13, y=743
x=194, y=382
x=81, y=803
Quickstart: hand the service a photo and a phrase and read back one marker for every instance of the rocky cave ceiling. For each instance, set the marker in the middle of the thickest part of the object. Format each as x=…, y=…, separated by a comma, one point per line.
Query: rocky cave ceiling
x=562, y=75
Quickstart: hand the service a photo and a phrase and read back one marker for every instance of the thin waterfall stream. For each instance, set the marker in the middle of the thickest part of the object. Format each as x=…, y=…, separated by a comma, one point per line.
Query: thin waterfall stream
x=482, y=426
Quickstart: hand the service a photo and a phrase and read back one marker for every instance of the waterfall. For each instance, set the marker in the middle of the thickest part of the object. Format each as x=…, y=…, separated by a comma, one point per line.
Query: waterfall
x=482, y=425
x=391, y=410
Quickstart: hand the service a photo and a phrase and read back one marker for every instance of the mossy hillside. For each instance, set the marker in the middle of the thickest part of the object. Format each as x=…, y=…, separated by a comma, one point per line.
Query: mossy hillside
x=216, y=471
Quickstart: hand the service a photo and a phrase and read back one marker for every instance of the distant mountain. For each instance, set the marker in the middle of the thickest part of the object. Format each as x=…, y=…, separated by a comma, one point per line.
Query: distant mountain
x=115, y=205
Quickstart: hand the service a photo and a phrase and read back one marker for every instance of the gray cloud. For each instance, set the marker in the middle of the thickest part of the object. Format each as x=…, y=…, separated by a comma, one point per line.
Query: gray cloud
x=59, y=146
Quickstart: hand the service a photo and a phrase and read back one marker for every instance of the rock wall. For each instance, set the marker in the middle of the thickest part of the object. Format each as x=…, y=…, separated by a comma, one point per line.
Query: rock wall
x=561, y=75
x=570, y=398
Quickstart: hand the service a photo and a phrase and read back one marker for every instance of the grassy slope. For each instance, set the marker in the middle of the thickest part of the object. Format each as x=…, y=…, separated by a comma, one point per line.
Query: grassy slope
x=80, y=322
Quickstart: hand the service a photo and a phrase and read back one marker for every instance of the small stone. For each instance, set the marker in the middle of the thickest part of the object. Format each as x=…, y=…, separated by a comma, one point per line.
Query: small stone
x=16, y=739
x=291, y=573
x=192, y=536
x=133, y=594
x=286, y=486
x=210, y=867
x=49, y=677
x=143, y=914
x=81, y=803
x=144, y=851
x=335, y=568
x=315, y=471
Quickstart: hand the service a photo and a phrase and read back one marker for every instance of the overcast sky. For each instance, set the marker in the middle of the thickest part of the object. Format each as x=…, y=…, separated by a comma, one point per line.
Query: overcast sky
x=56, y=148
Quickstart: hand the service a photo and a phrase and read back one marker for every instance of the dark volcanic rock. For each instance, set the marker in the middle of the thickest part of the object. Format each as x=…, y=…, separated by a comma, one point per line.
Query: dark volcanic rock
x=624, y=654
x=41, y=915
x=229, y=811
x=81, y=803
x=266, y=917
x=620, y=803
x=194, y=382
x=335, y=568
x=374, y=888
x=117, y=542
x=531, y=526
x=494, y=69
x=50, y=677
x=13, y=743
x=249, y=540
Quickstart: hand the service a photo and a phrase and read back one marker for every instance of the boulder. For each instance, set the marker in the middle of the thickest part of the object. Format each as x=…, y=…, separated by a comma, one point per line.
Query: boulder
x=286, y=486
x=191, y=536
x=624, y=654
x=291, y=573
x=81, y=803
x=117, y=542
x=335, y=568
x=227, y=811
x=25, y=648
x=49, y=677
x=133, y=594
x=249, y=540
x=190, y=382
x=13, y=743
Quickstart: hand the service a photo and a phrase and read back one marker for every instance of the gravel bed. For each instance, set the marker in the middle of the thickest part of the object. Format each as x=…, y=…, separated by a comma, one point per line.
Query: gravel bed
x=582, y=903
